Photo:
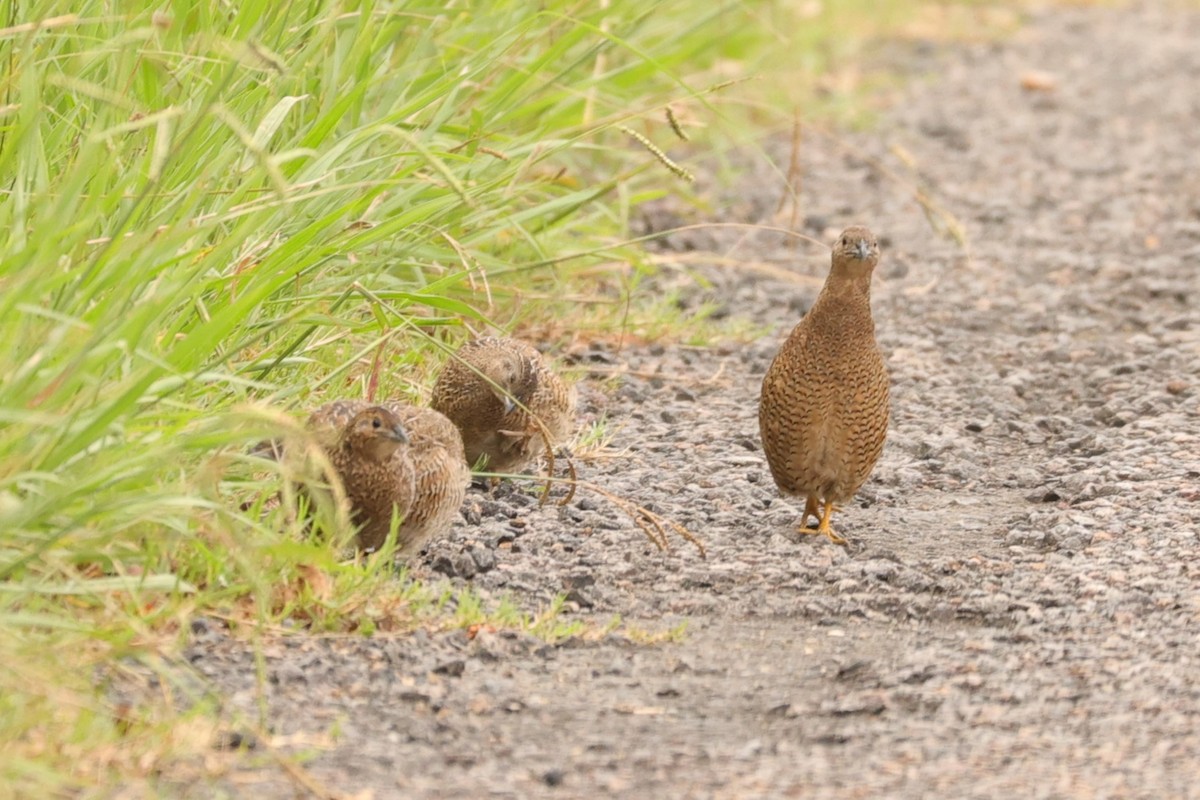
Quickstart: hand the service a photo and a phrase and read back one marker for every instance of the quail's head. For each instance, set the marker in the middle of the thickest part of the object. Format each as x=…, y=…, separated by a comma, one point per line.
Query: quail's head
x=375, y=433
x=512, y=377
x=856, y=252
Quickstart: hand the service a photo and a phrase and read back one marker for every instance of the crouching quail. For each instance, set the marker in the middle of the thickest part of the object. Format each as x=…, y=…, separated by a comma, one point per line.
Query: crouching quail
x=394, y=457
x=503, y=397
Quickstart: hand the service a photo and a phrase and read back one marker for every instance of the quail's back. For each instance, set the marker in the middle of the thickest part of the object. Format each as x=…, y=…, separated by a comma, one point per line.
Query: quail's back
x=497, y=391
x=824, y=409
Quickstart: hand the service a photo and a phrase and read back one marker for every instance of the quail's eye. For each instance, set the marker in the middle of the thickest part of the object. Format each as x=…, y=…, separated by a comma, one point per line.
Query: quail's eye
x=375, y=423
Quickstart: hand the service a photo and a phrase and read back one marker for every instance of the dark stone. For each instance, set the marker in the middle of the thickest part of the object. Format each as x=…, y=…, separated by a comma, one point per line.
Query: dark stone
x=453, y=669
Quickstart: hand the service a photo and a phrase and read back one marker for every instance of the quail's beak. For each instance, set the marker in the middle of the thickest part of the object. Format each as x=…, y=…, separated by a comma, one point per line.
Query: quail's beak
x=398, y=434
x=505, y=400
x=862, y=249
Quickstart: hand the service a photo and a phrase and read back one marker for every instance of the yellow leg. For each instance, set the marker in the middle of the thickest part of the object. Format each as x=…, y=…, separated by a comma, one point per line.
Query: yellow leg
x=810, y=510
x=823, y=528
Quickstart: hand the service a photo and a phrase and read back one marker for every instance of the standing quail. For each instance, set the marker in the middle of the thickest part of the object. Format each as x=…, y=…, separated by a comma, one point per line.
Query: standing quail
x=497, y=391
x=424, y=478
x=824, y=409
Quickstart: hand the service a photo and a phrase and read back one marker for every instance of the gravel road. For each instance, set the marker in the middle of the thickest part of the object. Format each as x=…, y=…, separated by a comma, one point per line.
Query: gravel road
x=1017, y=612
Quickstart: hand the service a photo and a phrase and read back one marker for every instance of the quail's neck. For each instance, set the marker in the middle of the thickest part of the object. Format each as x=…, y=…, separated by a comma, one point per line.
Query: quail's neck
x=368, y=449
x=848, y=288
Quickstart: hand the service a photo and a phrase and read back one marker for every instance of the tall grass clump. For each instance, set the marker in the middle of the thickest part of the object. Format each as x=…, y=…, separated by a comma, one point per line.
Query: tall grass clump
x=214, y=211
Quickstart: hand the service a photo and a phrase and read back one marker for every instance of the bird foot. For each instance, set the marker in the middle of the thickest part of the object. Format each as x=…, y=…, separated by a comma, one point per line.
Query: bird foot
x=824, y=530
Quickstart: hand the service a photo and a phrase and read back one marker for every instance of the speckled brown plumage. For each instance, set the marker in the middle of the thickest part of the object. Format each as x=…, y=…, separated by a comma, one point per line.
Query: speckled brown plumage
x=824, y=409
x=369, y=448
x=482, y=406
x=440, y=475
x=425, y=479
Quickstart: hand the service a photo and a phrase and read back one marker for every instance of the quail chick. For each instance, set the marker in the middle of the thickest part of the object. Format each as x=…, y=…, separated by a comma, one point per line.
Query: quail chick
x=824, y=409
x=425, y=480
x=370, y=448
x=497, y=390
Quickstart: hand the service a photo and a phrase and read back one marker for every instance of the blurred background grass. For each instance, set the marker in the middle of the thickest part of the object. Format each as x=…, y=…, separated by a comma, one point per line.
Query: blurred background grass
x=214, y=214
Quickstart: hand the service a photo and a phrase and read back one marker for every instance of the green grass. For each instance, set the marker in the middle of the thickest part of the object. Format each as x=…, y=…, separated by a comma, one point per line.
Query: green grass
x=215, y=215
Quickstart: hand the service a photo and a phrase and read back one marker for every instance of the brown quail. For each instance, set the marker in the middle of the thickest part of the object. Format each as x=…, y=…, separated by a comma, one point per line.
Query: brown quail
x=369, y=448
x=424, y=479
x=824, y=409
x=497, y=390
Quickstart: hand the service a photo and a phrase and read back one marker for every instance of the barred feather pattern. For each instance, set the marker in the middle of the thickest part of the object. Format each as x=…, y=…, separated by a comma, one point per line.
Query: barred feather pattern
x=423, y=481
x=825, y=402
x=471, y=389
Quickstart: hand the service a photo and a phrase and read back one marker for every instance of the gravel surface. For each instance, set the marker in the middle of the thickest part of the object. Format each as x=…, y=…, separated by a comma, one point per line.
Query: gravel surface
x=1017, y=612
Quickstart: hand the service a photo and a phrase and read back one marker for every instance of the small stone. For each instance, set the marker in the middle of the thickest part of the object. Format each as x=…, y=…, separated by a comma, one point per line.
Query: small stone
x=453, y=669
x=485, y=559
x=853, y=670
x=234, y=740
x=579, y=580
x=287, y=672
x=579, y=598
x=816, y=222
x=750, y=750
x=443, y=565
x=1029, y=538
x=868, y=703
